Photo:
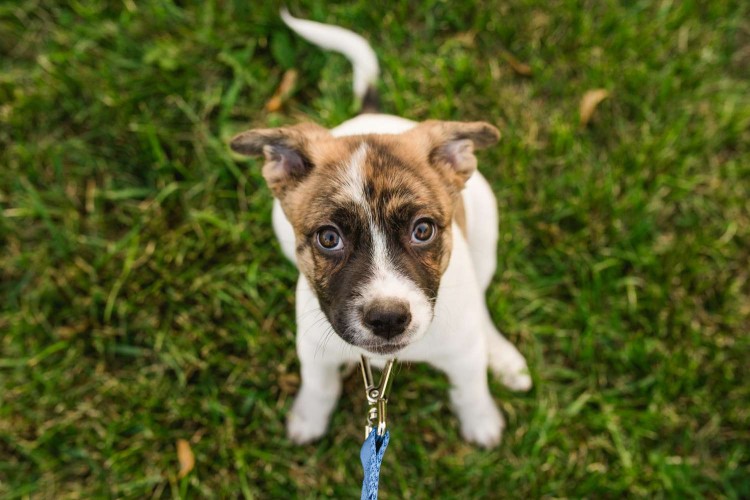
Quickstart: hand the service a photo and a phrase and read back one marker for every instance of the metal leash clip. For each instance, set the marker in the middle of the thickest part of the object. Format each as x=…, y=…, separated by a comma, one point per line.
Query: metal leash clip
x=377, y=396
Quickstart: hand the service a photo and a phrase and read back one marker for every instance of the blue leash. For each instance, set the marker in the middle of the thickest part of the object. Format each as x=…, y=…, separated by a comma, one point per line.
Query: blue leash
x=371, y=455
x=376, y=438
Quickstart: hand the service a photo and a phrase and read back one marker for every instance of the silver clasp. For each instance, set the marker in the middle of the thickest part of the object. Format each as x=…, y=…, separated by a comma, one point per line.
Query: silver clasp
x=377, y=395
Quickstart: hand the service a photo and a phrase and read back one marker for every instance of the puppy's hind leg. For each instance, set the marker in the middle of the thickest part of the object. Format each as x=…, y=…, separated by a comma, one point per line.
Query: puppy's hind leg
x=481, y=421
x=505, y=361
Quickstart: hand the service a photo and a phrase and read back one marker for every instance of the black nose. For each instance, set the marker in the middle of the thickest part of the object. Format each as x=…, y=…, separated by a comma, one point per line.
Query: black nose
x=387, y=318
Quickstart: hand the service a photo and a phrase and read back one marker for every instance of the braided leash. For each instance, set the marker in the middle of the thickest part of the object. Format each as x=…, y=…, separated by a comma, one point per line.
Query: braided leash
x=376, y=435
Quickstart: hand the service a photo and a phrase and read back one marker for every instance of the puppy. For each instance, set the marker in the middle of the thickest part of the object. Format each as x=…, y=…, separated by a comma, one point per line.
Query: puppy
x=395, y=235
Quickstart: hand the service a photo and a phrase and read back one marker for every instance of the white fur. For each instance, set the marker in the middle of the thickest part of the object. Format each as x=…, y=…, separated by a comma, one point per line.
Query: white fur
x=461, y=340
x=351, y=182
x=351, y=45
x=284, y=232
x=368, y=123
x=482, y=226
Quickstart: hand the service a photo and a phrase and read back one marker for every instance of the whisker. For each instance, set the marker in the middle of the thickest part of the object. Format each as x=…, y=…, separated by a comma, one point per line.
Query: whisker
x=323, y=344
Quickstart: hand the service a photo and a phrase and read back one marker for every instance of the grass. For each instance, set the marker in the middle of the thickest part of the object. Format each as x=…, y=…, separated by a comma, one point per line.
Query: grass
x=143, y=298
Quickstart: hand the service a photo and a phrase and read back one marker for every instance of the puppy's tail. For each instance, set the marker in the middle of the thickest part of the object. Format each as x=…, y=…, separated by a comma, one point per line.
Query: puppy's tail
x=352, y=46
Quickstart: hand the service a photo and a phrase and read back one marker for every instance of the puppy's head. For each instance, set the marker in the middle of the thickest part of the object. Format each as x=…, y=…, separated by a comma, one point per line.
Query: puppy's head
x=372, y=216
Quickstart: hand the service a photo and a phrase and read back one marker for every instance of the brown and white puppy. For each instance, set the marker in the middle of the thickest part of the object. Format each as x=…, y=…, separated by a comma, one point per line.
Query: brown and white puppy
x=395, y=234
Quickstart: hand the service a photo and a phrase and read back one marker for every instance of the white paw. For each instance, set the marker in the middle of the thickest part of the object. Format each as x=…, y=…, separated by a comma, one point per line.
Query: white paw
x=519, y=381
x=510, y=366
x=483, y=427
x=302, y=429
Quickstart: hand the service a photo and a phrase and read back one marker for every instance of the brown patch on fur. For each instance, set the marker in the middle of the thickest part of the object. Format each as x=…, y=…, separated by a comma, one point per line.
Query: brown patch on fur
x=460, y=216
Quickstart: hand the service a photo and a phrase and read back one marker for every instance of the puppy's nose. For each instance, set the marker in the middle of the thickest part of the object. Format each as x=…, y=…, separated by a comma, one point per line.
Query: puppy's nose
x=387, y=317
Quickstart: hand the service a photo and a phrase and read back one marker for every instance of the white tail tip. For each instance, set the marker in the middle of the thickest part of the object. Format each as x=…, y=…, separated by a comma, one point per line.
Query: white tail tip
x=346, y=42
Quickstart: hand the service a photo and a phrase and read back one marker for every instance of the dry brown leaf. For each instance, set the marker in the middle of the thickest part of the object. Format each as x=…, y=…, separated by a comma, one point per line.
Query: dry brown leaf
x=520, y=68
x=289, y=382
x=467, y=38
x=589, y=102
x=282, y=92
x=185, y=457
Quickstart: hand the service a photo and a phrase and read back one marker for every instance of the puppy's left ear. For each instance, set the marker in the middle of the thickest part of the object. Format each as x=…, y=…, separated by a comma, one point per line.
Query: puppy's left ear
x=451, y=146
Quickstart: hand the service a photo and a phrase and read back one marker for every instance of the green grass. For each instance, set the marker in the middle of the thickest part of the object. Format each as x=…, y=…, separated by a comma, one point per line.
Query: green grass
x=143, y=298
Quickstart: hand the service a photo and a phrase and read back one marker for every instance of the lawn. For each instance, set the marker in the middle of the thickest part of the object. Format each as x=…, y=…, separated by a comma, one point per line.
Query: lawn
x=144, y=300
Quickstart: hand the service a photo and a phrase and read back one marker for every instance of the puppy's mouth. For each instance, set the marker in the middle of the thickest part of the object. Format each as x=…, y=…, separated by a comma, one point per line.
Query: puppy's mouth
x=359, y=337
x=363, y=338
x=382, y=348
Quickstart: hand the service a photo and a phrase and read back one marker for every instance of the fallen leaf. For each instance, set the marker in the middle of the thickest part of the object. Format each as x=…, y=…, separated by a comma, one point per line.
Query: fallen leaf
x=282, y=92
x=522, y=69
x=289, y=382
x=466, y=39
x=589, y=102
x=185, y=457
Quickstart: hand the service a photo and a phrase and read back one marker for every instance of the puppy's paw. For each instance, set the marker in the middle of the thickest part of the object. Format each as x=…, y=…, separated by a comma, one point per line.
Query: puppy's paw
x=483, y=427
x=510, y=367
x=302, y=429
x=519, y=381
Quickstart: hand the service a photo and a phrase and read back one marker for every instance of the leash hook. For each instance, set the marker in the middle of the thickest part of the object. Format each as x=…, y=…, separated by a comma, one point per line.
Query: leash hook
x=377, y=395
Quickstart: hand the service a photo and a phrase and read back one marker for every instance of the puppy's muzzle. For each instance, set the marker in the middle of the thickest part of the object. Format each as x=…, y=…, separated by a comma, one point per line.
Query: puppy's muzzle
x=387, y=318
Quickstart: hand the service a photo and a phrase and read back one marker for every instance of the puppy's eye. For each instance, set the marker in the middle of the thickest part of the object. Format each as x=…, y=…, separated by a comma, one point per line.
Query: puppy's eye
x=423, y=232
x=329, y=239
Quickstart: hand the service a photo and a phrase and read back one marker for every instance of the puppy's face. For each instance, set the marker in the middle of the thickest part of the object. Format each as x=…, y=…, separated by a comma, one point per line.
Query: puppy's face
x=373, y=218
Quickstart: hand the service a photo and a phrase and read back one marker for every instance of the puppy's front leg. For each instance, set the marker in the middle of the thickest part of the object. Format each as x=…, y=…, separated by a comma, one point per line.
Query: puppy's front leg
x=481, y=421
x=319, y=370
x=320, y=389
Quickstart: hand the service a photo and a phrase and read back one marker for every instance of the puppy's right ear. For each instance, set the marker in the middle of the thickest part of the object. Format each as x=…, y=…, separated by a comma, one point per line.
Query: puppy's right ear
x=449, y=146
x=288, y=151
